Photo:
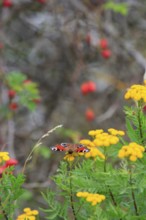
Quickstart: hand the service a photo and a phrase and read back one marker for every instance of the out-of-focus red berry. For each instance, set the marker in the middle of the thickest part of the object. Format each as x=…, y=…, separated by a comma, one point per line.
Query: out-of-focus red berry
x=85, y=88
x=11, y=93
x=88, y=87
x=11, y=162
x=42, y=1
x=103, y=43
x=106, y=53
x=90, y=115
x=91, y=86
x=88, y=39
x=7, y=3
x=13, y=106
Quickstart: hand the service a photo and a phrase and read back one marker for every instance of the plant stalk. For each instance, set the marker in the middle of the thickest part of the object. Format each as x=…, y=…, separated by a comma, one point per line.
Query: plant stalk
x=133, y=196
x=71, y=194
x=3, y=211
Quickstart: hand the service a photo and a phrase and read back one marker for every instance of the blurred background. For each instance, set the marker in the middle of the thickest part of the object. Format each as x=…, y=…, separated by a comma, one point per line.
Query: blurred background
x=82, y=55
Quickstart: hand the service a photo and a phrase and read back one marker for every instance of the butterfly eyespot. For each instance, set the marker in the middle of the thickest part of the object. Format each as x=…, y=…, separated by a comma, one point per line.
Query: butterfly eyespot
x=54, y=148
x=85, y=150
x=63, y=144
x=80, y=145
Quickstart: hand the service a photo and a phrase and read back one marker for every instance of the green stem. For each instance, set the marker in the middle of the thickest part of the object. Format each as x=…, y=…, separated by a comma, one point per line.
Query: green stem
x=71, y=194
x=133, y=195
x=3, y=211
x=110, y=191
x=140, y=125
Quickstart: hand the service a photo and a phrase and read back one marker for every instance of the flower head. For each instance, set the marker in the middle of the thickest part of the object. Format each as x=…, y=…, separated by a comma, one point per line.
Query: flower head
x=133, y=151
x=116, y=132
x=93, y=198
x=4, y=156
x=94, y=152
x=70, y=157
x=104, y=139
x=28, y=214
x=136, y=92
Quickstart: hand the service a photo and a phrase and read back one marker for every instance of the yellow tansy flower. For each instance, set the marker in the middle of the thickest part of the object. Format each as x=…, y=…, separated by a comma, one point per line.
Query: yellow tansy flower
x=70, y=157
x=91, y=197
x=87, y=143
x=4, y=156
x=136, y=92
x=133, y=151
x=116, y=132
x=94, y=152
x=28, y=215
x=105, y=140
x=94, y=132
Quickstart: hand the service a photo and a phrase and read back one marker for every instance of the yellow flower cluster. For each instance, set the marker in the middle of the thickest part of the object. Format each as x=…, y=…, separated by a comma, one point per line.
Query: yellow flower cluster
x=28, y=214
x=133, y=151
x=4, y=156
x=116, y=132
x=105, y=140
x=94, y=152
x=70, y=157
x=93, y=198
x=136, y=92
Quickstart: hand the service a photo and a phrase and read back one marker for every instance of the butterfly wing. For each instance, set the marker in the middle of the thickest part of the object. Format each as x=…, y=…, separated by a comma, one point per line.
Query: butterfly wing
x=70, y=148
x=81, y=148
x=58, y=147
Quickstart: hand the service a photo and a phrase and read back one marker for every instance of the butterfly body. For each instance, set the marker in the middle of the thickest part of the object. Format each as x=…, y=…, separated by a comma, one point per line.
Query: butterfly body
x=70, y=148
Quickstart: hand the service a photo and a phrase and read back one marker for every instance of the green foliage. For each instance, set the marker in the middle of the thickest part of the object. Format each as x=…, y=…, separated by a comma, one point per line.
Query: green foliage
x=136, y=124
x=10, y=191
x=15, y=80
x=27, y=91
x=55, y=209
x=123, y=182
x=121, y=8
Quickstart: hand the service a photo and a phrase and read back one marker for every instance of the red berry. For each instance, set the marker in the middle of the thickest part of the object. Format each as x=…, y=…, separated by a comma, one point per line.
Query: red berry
x=11, y=93
x=7, y=3
x=85, y=88
x=91, y=86
x=11, y=162
x=90, y=115
x=13, y=106
x=106, y=53
x=103, y=43
x=42, y=1
x=88, y=87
